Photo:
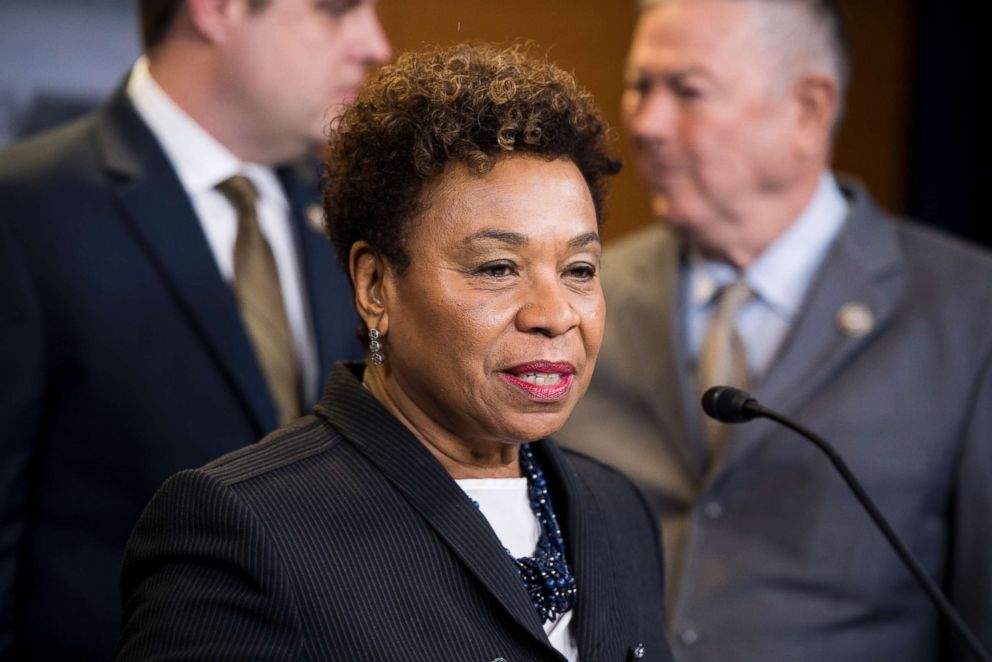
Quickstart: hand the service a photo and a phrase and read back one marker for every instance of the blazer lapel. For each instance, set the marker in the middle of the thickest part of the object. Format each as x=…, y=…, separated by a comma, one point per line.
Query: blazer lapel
x=863, y=270
x=597, y=605
x=160, y=212
x=429, y=489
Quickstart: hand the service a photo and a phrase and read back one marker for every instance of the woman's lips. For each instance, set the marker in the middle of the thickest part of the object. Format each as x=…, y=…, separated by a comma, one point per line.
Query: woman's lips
x=542, y=380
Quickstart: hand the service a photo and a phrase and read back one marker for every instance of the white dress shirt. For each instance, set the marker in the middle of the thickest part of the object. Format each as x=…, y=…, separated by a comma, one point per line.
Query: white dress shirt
x=779, y=279
x=201, y=163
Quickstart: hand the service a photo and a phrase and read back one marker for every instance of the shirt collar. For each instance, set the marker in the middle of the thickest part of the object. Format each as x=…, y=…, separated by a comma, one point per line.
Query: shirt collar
x=782, y=272
x=200, y=160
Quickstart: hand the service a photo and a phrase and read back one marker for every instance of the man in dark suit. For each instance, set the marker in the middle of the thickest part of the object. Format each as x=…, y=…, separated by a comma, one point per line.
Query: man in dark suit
x=167, y=294
x=769, y=274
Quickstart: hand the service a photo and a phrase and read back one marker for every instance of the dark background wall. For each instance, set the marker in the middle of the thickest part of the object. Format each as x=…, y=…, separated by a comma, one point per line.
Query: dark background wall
x=945, y=181
x=910, y=131
x=57, y=57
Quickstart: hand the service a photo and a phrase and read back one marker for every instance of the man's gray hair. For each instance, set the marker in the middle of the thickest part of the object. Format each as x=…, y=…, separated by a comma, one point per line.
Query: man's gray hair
x=803, y=35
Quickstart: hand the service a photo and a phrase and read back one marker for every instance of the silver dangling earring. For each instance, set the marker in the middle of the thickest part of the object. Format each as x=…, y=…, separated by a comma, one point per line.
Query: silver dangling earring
x=375, y=347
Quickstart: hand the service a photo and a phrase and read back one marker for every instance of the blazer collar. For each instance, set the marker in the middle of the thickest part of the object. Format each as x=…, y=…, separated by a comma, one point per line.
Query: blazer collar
x=164, y=222
x=414, y=472
x=597, y=608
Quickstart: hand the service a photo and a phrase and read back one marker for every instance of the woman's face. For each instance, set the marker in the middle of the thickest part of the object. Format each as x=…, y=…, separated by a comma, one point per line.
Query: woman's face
x=493, y=330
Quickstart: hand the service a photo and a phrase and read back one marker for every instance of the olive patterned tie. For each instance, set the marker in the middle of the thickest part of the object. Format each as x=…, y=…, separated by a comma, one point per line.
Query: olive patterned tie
x=723, y=361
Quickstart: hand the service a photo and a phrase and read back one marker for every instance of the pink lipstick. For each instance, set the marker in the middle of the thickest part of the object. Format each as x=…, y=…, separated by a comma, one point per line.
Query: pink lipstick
x=541, y=380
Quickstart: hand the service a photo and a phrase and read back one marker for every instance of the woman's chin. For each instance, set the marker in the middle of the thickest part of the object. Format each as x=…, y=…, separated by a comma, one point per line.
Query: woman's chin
x=540, y=426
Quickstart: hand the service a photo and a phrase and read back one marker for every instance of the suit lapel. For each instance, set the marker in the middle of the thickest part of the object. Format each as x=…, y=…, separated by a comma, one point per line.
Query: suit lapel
x=654, y=333
x=328, y=291
x=864, y=267
x=429, y=489
x=159, y=211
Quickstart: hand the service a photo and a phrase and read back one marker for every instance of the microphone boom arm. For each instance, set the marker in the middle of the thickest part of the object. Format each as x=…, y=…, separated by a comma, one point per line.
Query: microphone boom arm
x=731, y=405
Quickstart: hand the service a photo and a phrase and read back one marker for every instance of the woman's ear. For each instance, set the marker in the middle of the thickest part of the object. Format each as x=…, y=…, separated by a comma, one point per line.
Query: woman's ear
x=369, y=272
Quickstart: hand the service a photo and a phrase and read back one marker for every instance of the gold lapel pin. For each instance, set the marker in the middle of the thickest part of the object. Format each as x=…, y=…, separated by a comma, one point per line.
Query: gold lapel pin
x=315, y=217
x=855, y=319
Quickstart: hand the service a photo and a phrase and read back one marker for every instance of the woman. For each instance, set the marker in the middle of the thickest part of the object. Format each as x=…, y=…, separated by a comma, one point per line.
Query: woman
x=422, y=513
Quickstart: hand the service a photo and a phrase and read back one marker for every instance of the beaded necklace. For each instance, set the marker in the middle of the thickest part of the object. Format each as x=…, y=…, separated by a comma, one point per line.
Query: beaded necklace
x=545, y=575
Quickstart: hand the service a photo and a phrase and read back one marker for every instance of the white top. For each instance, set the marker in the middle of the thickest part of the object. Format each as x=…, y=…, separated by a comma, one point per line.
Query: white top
x=779, y=279
x=201, y=163
x=505, y=504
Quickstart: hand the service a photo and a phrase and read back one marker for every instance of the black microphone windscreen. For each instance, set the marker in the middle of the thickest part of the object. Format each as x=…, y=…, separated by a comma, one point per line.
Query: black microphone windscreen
x=728, y=404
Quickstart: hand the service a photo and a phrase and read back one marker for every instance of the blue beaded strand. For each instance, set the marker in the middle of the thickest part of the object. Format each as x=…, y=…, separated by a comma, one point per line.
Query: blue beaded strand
x=545, y=575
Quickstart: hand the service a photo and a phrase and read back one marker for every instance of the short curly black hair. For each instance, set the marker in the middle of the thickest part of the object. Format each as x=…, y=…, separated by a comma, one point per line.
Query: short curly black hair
x=470, y=103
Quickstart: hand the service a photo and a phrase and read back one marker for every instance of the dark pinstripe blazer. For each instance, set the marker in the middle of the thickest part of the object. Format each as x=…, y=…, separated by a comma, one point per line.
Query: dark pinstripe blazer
x=342, y=538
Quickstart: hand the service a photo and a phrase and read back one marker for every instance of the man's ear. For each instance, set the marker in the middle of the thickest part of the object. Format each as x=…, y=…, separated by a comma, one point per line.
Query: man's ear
x=817, y=101
x=213, y=19
x=369, y=272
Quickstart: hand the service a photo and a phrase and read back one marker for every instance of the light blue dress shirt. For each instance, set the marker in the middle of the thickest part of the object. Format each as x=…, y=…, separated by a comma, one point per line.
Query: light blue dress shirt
x=779, y=279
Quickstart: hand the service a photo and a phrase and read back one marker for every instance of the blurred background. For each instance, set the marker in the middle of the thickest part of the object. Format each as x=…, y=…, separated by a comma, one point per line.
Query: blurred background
x=911, y=131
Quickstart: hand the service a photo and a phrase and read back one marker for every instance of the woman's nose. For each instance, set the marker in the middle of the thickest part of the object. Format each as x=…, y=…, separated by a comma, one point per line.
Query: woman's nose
x=547, y=309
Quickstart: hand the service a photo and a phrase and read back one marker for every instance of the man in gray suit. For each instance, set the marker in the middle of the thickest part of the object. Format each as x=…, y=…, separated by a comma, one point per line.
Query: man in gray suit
x=768, y=272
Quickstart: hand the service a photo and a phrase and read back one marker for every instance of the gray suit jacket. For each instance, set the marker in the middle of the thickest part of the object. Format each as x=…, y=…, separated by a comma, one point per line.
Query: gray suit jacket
x=342, y=538
x=769, y=555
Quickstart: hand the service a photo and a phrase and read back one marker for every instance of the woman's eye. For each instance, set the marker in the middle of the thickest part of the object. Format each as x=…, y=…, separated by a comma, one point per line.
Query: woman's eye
x=582, y=271
x=496, y=270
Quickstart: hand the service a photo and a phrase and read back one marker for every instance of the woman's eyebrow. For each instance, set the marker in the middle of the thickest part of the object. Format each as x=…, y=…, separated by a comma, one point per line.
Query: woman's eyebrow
x=518, y=239
x=503, y=236
x=584, y=240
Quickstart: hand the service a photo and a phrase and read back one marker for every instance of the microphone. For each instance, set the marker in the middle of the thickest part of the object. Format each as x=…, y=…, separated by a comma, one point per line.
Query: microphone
x=732, y=405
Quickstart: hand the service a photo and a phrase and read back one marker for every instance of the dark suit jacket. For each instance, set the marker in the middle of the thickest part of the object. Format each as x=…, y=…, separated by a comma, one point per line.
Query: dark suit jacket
x=342, y=538
x=123, y=360
x=770, y=557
